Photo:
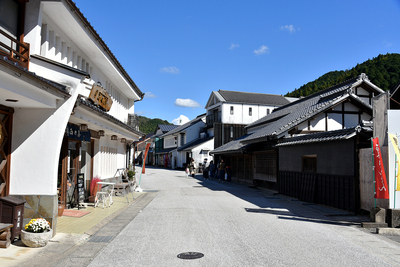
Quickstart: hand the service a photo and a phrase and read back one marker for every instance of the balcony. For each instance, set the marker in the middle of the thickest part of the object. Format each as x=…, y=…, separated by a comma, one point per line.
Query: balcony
x=214, y=117
x=14, y=49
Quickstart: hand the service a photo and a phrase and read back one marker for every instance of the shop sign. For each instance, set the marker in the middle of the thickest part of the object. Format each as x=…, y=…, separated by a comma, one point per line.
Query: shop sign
x=72, y=131
x=100, y=97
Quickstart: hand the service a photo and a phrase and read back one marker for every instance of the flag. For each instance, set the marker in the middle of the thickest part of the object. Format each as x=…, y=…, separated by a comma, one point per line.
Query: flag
x=381, y=189
x=145, y=157
x=395, y=143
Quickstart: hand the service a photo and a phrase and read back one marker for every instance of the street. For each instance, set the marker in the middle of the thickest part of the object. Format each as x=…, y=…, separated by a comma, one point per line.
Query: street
x=236, y=225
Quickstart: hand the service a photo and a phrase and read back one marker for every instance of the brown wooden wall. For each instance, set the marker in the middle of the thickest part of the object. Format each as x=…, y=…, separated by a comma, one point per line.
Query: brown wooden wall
x=336, y=191
x=219, y=140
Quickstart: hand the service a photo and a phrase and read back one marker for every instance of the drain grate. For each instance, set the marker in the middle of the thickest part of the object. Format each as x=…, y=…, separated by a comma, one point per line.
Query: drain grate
x=190, y=255
x=101, y=239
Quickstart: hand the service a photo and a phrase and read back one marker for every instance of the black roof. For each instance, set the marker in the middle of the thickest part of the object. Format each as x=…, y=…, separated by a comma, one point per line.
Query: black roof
x=234, y=146
x=253, y=98
x=165, y=128
x=286, y=117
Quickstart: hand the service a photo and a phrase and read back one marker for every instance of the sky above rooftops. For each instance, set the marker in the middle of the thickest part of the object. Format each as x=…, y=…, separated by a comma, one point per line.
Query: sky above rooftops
x=178, y=52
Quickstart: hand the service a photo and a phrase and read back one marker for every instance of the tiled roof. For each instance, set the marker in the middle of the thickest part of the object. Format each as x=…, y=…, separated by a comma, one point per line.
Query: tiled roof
x=253, y=98
x=88, y=104
x=184, y=126
x=234, y=146
x=320, y=137
x=195, y=143
x=54, y=85
x=165, y=128
x=287, y=117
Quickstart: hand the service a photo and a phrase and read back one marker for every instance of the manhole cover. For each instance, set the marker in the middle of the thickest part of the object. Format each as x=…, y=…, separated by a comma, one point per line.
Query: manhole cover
x=190, y=255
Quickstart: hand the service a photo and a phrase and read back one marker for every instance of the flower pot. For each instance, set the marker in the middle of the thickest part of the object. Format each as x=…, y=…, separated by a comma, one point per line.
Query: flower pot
x=35, y=240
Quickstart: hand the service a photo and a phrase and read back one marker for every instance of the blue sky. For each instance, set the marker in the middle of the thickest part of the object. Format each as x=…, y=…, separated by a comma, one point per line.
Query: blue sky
x=178, y=52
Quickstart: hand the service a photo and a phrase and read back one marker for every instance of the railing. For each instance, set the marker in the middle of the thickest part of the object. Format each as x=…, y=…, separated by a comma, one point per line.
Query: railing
x=21, y=52
x=214, y=117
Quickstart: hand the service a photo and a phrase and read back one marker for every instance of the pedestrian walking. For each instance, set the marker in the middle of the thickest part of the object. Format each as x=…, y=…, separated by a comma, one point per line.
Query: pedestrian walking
x=205, y=169
x=211, y=168
x=192, y=167
x=221, y=171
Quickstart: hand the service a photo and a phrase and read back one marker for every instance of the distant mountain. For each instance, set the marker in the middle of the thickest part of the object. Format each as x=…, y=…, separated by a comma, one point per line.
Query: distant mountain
x=147, y=125
x=383, y=71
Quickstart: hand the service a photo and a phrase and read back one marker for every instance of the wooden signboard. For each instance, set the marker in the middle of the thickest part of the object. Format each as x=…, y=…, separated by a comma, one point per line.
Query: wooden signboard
x=100, y=97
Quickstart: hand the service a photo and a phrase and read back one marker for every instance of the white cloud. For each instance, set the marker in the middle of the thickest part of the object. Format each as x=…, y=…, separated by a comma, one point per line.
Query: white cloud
x=172, y=70
x=149, y=95
x=289, y=28
x=233, y=46
x=262, y=50
x=187, y=103
x=182, y=119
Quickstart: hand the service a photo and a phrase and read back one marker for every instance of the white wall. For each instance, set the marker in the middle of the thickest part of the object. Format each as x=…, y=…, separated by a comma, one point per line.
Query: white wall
x=36, y=145
x=393, y=128
x=241, y=113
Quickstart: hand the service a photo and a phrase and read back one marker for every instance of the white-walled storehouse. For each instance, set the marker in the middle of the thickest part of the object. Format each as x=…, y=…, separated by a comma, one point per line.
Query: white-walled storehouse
x=65, y=105
x=228, y=112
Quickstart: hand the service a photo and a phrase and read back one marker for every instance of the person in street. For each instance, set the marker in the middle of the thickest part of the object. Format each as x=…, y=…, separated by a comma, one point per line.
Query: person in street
x=228, y=173
x=221, y=171
x=192, y=167
x=205, y=169
x=211, y=168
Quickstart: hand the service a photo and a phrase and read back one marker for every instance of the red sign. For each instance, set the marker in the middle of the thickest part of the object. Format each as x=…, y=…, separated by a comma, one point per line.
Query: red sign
x=381, y=189
x=145, y=157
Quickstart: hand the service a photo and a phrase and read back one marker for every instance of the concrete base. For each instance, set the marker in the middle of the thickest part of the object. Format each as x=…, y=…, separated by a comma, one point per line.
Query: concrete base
x=378, y=215
x=393, y=218
x=373, y=225
x=40, y=206
x=388, y=231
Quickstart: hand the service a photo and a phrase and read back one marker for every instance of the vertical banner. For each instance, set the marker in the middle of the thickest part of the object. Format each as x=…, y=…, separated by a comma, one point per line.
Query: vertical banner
x=381, y=189
x=145, y=157
x=395, y=143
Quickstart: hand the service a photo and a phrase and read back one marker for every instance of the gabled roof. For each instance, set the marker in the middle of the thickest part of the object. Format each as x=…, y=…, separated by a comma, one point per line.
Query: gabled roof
x=247, y=98
x=165, y=128
x=184, y=126
x=195, y=143
x=284, y=118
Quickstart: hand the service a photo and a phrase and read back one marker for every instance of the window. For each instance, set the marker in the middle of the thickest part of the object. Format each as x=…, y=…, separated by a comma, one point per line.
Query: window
x=182, y=139
x=250, y=111
x=309, y=163
x=267, y=111
x=231, y=110
x=231, y=130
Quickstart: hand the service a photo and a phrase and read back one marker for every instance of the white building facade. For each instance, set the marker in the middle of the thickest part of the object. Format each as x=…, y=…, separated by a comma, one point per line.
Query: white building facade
x=59, y=128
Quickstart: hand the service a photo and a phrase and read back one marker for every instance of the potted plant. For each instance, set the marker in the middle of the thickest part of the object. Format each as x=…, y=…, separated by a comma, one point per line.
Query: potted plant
x=37, y=233
x=94, y=188
x=131, y=174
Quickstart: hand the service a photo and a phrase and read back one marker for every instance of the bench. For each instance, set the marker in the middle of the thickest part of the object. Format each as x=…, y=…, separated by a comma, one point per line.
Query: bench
x=5, y=234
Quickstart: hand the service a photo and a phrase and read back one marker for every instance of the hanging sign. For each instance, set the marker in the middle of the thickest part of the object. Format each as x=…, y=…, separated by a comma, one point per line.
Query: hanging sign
x=100, y=97
x=73, y=132
x=381, y=189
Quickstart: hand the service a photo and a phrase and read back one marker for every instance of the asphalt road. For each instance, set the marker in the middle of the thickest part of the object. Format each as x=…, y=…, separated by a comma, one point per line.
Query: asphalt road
x=235, y=225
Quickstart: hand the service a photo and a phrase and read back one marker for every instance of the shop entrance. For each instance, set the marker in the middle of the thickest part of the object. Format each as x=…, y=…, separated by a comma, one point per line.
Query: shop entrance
x=75, y=158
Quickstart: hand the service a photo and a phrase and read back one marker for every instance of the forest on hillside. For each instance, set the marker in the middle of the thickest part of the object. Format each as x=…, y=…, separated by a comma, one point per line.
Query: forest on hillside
x=383, y=71
x=147, y=125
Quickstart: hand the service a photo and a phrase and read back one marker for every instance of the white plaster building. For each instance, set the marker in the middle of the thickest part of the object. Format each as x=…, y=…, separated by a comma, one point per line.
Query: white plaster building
x=52, y=62
x=228, y=112
x=186, y=141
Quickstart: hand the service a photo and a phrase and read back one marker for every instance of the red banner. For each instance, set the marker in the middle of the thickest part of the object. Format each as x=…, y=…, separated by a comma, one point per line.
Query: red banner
x=381, y=189
x=145, y=157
